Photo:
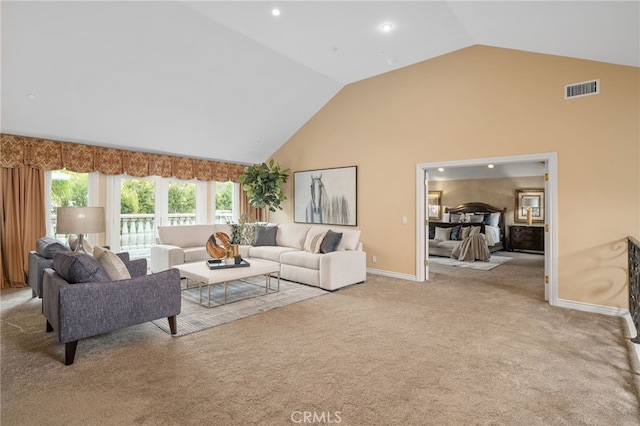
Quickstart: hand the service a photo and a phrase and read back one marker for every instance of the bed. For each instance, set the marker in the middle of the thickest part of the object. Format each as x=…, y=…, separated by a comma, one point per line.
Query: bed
x=464, y=220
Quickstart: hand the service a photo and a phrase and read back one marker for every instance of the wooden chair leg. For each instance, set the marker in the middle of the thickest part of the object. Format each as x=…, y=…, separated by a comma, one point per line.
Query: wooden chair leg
x=49, y=328
x=172, y=324
x=70, y=352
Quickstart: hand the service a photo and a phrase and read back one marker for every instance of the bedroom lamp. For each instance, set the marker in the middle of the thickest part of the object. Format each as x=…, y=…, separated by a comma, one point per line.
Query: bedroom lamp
x=530, y=203
x=81, y=221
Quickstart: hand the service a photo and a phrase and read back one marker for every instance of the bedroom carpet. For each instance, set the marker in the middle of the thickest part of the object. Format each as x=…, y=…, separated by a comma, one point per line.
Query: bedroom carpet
x=465, y=348
x=195, y=317
x=493, y=262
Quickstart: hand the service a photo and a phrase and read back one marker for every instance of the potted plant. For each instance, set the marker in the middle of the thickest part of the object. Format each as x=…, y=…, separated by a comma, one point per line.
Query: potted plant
x=263, y=185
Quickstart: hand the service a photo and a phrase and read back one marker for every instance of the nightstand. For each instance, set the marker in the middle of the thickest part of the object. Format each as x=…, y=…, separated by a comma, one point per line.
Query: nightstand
x=526, y=238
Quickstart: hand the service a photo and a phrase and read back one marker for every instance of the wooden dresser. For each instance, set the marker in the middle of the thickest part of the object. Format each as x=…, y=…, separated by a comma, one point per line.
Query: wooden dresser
x=526, y=238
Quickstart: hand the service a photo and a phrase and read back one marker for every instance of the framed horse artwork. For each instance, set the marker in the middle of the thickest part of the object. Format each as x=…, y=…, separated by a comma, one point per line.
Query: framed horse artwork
x=326, y=196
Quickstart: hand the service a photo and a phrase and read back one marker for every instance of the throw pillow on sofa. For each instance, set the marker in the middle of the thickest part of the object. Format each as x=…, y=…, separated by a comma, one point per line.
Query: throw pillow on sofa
x=265, y=236
x=76, y=267
x=111, y=263
x=330, y=242
x=313, y=243
x=47, y=247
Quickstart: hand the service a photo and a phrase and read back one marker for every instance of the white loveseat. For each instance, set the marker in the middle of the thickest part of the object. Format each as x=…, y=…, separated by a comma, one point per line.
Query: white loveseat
x=330, y=271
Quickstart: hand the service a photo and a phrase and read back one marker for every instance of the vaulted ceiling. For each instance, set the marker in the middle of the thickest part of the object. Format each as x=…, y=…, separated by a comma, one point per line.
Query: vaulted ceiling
x=231, y=81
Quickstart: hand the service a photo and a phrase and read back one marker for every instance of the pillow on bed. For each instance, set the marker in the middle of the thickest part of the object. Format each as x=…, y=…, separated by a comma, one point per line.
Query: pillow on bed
x=494, y=219
x=456, y=217
x=474, y=230
x=476, y=218
x=455, y=233
x=464, y=232
x=443, y=234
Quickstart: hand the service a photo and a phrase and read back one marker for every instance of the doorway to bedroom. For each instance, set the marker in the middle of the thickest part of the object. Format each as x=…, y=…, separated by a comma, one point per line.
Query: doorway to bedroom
x=487, y=186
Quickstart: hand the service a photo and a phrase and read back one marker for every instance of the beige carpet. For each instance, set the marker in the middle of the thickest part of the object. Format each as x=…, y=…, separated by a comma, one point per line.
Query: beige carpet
x=467, y=348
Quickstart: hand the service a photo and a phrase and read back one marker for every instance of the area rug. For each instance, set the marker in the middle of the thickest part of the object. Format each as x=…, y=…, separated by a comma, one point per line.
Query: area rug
x=493, y=262
x=196, y=317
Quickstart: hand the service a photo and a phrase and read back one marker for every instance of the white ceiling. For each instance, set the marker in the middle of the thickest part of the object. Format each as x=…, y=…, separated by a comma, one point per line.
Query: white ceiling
x=229, y=81
x=502, y=170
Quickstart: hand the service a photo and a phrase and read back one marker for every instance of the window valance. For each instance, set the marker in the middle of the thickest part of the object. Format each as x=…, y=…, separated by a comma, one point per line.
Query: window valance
x=20, y=151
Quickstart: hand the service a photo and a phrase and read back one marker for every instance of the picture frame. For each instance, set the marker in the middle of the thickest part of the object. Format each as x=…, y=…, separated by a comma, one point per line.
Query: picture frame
x=534, y=196
x=326, y=196
x=434, y=205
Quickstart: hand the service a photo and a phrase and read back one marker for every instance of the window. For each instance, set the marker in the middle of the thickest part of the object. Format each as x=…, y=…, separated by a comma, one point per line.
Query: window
x=226, y=202
x=67, y=189
x=137, y=206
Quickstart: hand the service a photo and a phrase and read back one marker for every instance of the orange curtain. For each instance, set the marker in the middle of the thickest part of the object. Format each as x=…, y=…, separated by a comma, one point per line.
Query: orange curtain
x=246, y=207
x=22, y=220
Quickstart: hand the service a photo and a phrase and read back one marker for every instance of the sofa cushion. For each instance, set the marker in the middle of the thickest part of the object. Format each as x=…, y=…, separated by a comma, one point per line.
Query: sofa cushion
x=301, y=259
x=271, y=253
x=292, y=235
x=185, y=235
x=78, y=267
x=195, y=254
x=111, y=263
x=47, y=247
x=330, y=242
x=265, y=236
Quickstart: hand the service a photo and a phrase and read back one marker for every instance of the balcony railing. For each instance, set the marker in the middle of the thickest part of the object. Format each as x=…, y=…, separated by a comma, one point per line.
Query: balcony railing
x=634, y=285
x=138, y=231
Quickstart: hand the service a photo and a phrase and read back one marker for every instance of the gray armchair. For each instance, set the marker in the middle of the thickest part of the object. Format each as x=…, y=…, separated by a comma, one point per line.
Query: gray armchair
x=78, y=311
x=37, y=265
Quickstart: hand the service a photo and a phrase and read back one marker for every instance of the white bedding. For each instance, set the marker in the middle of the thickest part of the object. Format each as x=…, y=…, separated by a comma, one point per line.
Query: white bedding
x=492, y=234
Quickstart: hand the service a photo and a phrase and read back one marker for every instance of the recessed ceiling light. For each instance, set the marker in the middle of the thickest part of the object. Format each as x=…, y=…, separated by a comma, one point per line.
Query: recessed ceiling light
x=440, y=169
x=490, y=166
x=31, y=96
x=275, y=12
x=386, y=27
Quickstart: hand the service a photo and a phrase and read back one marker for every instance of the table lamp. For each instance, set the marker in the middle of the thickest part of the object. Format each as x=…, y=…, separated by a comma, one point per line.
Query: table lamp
x=81, y=221
x=530, y=203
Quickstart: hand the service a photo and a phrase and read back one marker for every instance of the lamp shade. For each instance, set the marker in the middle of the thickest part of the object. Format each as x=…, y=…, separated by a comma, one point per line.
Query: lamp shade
x=80, y=220
x=530, y=202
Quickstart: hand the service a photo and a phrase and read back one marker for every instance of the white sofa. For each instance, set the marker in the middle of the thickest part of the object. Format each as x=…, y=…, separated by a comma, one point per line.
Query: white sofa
x=330, y=271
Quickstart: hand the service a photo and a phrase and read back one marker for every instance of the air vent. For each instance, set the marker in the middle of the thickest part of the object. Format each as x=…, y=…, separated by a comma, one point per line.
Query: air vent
x=584, y=88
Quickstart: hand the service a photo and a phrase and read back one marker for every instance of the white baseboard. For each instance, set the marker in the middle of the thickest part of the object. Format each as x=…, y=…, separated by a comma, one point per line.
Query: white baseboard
x=605, y=310
x=590, y=307
x=390, y=274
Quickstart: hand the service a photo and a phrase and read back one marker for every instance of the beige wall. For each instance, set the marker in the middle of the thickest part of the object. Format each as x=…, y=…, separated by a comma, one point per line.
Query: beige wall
x=483, y=102
x=497, y=192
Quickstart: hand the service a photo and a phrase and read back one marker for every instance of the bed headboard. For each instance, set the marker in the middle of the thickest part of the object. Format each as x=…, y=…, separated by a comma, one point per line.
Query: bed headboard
x=477, y=207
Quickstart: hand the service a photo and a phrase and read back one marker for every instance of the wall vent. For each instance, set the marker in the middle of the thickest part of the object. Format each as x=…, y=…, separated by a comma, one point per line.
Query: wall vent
x=584, y=88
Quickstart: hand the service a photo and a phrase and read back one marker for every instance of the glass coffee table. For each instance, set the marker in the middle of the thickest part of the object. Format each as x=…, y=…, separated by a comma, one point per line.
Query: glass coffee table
x=200, y=273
